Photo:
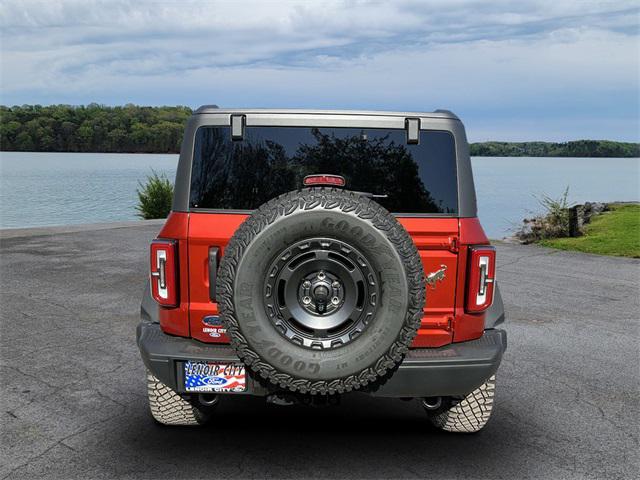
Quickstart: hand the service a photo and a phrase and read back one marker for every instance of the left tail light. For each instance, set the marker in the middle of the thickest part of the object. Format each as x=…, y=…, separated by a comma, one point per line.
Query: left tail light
x=480, y=278
x=164, y=272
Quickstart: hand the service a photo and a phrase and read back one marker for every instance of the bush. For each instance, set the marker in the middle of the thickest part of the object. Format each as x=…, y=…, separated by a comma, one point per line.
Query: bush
x=155, y=197
x=556, y=218
x=553, y=223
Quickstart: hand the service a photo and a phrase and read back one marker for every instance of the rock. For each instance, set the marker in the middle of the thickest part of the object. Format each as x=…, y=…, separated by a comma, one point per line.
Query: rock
x=588, y=210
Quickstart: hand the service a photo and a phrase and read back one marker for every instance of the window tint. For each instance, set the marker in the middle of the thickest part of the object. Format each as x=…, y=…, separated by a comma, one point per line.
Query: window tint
x=270, y=161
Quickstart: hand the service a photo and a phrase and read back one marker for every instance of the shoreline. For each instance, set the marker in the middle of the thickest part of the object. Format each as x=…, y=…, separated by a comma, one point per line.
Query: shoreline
x=20, y=232
x=603, y=228
x=178, y=153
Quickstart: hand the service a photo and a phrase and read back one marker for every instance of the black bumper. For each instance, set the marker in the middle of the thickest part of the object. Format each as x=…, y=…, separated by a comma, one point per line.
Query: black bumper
x=454, y=369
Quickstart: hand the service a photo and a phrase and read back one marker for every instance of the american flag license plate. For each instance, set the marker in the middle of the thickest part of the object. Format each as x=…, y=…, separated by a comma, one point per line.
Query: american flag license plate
x=214, y=377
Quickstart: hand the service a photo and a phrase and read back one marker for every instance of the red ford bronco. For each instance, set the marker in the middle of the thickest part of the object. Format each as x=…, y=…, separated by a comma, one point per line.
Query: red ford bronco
x=310, y=254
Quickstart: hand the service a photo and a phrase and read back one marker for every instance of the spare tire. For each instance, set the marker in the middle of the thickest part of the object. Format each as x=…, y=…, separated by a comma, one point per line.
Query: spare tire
x=321, y=291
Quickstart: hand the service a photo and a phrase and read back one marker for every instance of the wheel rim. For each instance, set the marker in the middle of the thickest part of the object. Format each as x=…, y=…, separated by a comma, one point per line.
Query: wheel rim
x=321, y=293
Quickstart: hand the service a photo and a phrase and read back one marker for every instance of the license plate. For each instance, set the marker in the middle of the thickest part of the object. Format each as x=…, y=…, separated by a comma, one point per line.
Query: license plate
x=214, y=377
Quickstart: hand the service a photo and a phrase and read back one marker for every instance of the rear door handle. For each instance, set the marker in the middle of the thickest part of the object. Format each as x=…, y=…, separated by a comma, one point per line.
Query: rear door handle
x=213, y=271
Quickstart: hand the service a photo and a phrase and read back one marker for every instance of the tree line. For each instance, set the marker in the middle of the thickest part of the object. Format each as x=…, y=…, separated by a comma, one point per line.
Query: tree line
x=577, y=148
x=92, y=128
x=136, y=129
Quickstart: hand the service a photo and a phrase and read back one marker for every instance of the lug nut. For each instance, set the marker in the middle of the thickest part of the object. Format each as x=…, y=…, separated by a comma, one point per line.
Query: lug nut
x=335, y=300
x=306, y=300
x=321, y=276
x=306, y=284
x=335, y=284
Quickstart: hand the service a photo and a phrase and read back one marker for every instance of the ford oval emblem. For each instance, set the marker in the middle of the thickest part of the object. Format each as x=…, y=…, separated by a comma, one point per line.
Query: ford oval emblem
x=212, y=320
x=216, y=381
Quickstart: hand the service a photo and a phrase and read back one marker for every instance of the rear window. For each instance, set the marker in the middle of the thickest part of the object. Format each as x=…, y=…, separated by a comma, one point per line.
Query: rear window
x=270, y=161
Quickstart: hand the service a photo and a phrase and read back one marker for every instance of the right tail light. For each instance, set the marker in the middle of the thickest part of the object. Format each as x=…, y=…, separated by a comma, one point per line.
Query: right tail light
x=480, y=278
x=164, y=272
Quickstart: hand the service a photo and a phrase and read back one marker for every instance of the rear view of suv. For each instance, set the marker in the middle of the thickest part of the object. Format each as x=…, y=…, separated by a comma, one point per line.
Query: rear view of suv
x=310, y=254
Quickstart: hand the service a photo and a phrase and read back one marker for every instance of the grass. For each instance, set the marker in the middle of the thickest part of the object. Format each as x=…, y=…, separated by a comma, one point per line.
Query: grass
x=616, y=232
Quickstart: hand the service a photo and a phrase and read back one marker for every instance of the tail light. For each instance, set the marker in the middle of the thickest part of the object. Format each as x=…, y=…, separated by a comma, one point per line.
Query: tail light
x=480, y=278
x=164, y=272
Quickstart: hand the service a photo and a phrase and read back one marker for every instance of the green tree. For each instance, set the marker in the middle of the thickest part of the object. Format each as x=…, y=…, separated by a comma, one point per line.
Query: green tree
x=92, y=128
x=577, y=148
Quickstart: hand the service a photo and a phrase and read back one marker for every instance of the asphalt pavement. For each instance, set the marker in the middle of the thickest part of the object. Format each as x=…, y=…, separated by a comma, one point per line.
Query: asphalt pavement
x=73, y=400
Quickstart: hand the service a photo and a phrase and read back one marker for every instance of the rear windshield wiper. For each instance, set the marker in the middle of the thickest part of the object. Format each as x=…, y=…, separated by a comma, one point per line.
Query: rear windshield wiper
x=372, y=195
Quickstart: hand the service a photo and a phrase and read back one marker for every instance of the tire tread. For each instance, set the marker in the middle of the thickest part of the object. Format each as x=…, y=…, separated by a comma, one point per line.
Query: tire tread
x=470, y=414
x=169, y=408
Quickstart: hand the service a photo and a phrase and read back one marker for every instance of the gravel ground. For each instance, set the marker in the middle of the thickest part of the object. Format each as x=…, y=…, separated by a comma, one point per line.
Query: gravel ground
x=73, y=399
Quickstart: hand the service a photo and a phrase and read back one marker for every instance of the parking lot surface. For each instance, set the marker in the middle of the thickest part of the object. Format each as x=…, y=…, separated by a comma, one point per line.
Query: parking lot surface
x=74, y=401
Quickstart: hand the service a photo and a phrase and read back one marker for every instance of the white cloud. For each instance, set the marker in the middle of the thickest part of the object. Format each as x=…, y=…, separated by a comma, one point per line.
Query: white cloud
x=494, y=60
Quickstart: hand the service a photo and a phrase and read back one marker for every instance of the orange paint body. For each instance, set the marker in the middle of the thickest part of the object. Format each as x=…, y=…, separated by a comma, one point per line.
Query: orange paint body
x=442, y=242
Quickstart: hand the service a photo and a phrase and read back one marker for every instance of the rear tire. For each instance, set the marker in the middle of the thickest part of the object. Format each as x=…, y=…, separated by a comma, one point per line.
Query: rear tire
x=169, y=408
x=469, y=414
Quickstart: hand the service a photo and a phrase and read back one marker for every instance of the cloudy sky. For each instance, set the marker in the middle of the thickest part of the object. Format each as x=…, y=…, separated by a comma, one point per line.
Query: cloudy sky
x=525, y=70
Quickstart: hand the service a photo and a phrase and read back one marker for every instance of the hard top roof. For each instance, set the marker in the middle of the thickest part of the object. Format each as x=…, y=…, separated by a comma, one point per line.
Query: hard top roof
x=440, y=113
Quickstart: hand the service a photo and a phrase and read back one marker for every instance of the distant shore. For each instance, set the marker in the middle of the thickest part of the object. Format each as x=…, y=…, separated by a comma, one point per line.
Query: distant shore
x=177, y=153
x=575, y=149
x=135, y=129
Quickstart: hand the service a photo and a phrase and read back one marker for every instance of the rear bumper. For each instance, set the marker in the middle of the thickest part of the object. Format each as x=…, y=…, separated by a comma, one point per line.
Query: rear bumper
x=454, y=369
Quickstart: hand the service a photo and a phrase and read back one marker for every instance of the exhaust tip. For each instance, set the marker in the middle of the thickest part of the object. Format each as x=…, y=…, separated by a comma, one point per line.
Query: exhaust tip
x=432, y=403
x=208, y=399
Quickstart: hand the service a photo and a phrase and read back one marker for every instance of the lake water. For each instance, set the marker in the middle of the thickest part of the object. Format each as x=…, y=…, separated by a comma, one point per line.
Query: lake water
x=38, y=189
